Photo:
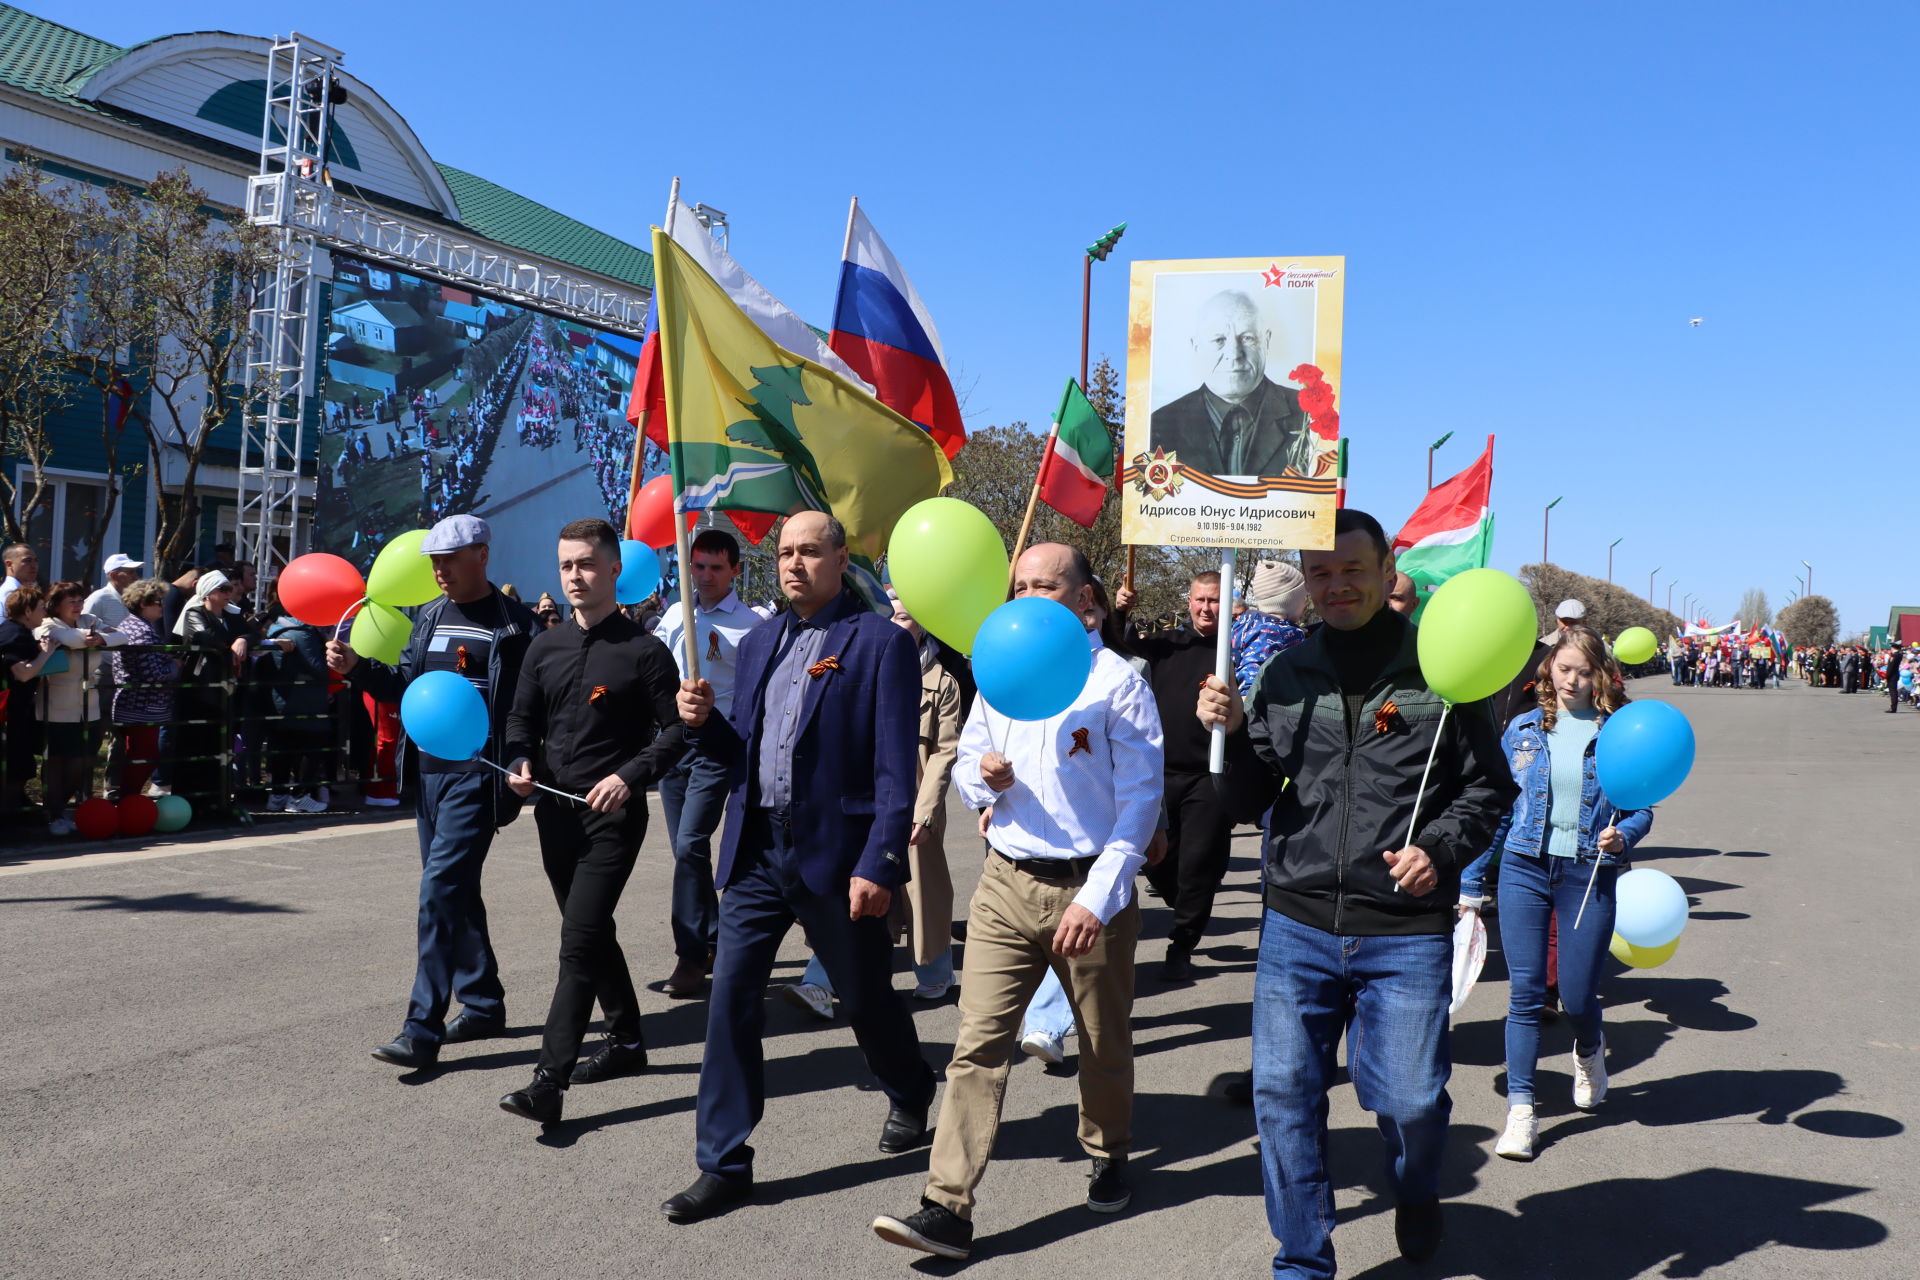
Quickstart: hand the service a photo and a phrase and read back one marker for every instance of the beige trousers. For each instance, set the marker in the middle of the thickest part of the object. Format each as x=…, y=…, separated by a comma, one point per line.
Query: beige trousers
x=1009, y=949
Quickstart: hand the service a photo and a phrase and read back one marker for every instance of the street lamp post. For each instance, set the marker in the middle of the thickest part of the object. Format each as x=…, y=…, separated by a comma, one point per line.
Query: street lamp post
x=1650, y=584
x=1670, y=587
x=1430, y=448
x=1546, y=525
x=1809, y=577
x=1686, y=607
x=1610, y=546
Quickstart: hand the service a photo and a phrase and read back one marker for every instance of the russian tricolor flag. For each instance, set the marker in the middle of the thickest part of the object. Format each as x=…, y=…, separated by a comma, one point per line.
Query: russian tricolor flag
x=882, y=329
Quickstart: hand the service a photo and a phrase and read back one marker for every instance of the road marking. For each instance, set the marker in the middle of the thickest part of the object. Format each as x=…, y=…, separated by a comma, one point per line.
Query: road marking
x=116, y=857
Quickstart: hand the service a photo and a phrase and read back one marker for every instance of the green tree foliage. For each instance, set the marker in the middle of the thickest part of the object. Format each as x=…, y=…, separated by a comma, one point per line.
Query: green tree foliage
x=42, y=250
x=1610, y=609
x=1810, y=620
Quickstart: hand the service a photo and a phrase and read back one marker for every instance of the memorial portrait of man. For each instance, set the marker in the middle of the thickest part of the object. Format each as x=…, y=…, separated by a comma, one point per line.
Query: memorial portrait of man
x=1238, y=421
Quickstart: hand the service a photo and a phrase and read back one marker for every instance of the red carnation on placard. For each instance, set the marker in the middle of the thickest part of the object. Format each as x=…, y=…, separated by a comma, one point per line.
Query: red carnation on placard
x=1326, y=425
x=1306, y=373
x=1316, y=398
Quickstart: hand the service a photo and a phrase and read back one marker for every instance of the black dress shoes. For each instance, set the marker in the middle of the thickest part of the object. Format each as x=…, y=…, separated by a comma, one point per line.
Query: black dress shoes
x=708, y=1196
x=1417, y=1229
x=539, y=1101
x=905, y=1129
x=1179, y=963
x=613, y=1061
x=405, y=1051
x=471, y=1026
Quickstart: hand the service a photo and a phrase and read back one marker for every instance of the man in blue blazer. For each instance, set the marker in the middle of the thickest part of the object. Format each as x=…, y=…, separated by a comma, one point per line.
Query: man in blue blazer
x=820, y=742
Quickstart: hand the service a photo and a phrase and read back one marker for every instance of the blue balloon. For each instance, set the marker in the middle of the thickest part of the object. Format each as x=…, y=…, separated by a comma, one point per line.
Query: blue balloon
x=445, y=715
x=1650, y=907
x=1644, y=753
x=1031, y=658
x=639, y=573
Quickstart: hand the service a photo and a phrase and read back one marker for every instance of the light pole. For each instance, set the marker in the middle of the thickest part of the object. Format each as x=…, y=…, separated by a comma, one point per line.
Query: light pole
x=1610, y=546
x=1650, y=584
x=1809, y=577
x=1546, y=524
x=1686, y=607
x=1670, y=587
x=1430, y=448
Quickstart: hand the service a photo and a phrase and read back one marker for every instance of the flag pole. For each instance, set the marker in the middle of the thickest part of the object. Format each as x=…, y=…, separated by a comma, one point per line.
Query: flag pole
x=681, y=544
x=1033, y=502
x=846, y=245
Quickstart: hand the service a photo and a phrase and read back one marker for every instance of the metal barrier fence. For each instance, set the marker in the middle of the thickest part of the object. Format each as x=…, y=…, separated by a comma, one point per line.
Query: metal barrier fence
x=221, y=739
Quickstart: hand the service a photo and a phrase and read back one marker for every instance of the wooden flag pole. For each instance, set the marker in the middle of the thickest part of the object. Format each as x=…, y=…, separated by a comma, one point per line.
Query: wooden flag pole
x=681, y=543
x=1033, y=503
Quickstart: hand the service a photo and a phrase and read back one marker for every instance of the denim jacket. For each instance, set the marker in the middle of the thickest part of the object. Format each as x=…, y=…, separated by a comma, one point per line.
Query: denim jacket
x=1524, y=830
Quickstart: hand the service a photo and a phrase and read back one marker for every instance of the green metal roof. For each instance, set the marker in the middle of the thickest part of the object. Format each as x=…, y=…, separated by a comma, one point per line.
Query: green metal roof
x=46, y=58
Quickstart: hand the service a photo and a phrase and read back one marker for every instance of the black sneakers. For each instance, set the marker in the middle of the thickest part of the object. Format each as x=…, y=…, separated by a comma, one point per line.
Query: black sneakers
x=935, y=1229
x=1109, y=1192
x=1417, y=1229
x=612, y=1062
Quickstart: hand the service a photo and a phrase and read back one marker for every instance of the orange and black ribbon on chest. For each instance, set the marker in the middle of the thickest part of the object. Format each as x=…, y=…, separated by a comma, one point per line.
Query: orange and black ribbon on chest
x=829, y=663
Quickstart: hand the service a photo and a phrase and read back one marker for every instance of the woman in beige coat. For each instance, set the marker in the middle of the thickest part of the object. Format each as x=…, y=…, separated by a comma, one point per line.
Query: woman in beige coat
x=924, y=913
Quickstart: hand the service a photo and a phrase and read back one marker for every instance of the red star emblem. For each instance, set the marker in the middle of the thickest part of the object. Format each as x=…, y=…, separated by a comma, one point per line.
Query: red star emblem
x=1273, y=275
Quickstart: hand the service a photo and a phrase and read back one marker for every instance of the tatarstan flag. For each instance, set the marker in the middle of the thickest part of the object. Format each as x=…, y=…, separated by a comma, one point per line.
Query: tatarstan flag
x=1078, y=460
x=1452, y=530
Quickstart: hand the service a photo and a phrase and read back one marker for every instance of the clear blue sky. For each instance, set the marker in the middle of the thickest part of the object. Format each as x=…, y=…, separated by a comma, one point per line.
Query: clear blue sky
x=1533, y=199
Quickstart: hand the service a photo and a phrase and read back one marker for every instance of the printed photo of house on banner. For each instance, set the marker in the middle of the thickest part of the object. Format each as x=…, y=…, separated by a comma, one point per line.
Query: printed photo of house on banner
x=437, y=401
x=1233, y=376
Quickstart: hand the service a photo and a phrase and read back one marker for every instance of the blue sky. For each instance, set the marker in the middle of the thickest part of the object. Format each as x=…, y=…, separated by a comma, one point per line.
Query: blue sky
x=1533, y=200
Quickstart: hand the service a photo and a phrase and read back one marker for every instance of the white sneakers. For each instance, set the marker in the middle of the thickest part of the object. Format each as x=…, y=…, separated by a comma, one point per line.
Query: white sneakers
x=816, y=1000
x=306, y=804
x=61, y=826
x=1049, y=1049
x=932, y=990
x=381, y=802
x=1590, y=1077
x=278, y=803
x=1517, y=1142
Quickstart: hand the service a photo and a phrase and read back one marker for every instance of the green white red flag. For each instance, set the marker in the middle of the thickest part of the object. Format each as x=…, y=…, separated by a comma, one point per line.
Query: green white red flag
x=1452, y=530
x=1077, y=464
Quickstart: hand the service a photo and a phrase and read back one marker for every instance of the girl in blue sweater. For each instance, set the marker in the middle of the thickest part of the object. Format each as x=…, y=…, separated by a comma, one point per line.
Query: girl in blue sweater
x=1563, y=846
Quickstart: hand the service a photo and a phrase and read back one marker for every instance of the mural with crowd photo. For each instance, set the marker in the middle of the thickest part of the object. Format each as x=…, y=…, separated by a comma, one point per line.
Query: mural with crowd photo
x=438, y=401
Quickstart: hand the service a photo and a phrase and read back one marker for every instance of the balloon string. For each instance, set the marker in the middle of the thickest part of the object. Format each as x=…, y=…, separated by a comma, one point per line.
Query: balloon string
x=347, y=617
x=564, y=795
x=1421, y=794
x=1582, y=913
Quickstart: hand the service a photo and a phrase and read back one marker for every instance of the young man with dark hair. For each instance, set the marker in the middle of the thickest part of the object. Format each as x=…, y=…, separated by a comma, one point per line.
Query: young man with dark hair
x=1356, y=935
x=596, y=706
x=693, y=794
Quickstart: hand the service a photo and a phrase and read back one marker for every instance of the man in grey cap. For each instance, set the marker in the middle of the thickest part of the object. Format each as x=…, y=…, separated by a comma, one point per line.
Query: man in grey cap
x=483, y=635
x=1567, y=614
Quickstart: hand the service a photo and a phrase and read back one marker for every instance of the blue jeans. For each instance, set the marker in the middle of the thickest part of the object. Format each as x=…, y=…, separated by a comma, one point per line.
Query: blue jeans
x=1389, y=996
x=454, y=814
x=1049, y=1011
x=1533, y=890
x=936, y=973
x=693, y=799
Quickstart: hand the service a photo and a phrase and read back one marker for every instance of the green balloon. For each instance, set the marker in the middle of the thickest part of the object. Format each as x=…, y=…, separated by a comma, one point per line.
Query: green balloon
x=1635, y=645
x=949, y=567
x=401, y=576
x=380, y=632
x=174, y=813
x=1476, y=635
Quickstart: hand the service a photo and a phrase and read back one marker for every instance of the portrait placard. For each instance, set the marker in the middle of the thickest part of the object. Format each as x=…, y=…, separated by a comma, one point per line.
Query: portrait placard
x=1233, y=428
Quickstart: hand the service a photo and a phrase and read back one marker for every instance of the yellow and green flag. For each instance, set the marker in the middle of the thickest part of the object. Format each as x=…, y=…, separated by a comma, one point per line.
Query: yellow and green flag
x=753, y=427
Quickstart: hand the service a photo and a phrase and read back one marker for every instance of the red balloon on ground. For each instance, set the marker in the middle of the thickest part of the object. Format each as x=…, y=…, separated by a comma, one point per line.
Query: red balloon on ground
x=96, y=819
x=651, y=518
x=319, y=589
x=137, y=815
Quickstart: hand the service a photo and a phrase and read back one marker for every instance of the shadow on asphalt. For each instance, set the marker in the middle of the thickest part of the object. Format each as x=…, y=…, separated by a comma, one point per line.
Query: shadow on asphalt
x=1620, y=1228
x=193, y=903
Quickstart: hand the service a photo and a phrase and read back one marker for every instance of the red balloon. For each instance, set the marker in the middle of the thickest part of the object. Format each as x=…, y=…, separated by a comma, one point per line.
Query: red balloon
x=320, y=589
x=650, y=519
x=137, y=815
x=96, y=819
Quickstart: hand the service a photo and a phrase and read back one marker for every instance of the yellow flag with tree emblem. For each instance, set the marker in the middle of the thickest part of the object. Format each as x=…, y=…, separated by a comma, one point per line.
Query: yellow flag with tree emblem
x=753, y=427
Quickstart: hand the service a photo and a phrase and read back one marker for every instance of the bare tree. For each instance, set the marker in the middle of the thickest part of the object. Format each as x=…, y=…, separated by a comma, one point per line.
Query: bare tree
x=1610, y=609
x=42, y=250
x=1810, y=620
x=1754, y=609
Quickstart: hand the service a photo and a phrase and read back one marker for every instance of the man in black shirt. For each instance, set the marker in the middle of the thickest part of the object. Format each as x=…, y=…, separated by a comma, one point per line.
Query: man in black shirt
x=481, y=634
x=596, y=704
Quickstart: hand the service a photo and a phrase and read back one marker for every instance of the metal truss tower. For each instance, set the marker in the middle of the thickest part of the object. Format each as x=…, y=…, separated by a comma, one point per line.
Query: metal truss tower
x=292, y=178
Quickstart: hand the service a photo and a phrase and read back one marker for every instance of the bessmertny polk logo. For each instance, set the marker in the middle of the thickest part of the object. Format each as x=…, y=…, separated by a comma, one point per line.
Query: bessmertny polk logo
x=1158, y=476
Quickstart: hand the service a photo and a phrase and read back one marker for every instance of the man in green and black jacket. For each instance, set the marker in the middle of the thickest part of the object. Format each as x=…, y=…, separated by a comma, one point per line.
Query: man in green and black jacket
x=1358, y=916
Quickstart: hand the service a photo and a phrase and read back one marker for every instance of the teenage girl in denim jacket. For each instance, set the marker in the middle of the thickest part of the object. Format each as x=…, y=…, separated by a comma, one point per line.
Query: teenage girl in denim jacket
x=1564, y=845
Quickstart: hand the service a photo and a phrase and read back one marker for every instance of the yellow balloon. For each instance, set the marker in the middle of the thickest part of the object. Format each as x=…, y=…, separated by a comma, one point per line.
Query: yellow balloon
x=1476, y=635
x=1635, y=645
x=401, y=576
x=1641, y=957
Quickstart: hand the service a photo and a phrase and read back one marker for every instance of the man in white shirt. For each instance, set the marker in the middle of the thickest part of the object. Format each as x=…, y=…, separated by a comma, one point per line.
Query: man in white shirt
x=23, y=570
x=1075, y=802
x=693, y=794
x=105, y=604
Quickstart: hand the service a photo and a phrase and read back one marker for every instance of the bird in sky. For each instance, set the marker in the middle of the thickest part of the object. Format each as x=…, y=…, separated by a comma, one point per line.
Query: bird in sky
x=1695, y=322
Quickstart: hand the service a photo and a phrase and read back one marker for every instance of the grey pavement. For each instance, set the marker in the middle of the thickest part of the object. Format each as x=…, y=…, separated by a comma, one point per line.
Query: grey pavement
x=188, y=1091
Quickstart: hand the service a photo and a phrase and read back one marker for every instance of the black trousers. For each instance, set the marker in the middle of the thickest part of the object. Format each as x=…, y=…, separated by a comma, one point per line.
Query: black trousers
x=1189, y=876
x=588, y=857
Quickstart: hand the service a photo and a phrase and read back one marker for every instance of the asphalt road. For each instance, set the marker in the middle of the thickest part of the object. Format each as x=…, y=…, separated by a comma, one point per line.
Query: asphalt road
x=188, y=1089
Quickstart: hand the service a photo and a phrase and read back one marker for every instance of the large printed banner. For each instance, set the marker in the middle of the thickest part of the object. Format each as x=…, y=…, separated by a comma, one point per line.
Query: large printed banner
x=1233, y=376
